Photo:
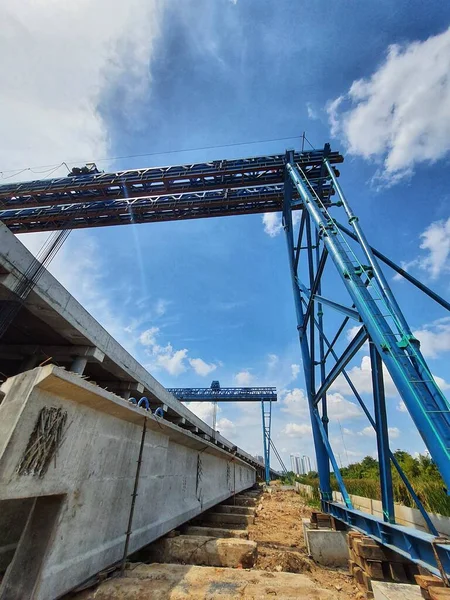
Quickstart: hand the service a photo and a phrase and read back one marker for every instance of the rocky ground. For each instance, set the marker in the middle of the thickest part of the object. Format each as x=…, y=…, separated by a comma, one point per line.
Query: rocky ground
x=281, y=546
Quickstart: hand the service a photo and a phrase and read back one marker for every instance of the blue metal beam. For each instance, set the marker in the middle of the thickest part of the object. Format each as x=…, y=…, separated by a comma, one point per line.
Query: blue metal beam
x=243, y=394
x=381, y=429
x=411, y=543
x=342, y=362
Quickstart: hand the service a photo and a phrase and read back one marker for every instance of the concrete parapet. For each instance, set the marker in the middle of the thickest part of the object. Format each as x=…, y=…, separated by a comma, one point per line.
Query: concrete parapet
x=203, y=550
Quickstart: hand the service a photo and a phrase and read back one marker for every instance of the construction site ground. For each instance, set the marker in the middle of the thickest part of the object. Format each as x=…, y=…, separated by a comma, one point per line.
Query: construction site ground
x=282, y=568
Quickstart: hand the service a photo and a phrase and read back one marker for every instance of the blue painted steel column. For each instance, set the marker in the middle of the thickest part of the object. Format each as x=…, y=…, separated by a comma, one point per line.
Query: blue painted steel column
x=323, y=464
x=431, y=419
x=379, y=401
x=266, y=426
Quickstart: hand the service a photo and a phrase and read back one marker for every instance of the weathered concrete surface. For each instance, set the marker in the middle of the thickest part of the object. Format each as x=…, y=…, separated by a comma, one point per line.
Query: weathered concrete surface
x=243, y=501
x=228, y=518
x=395, y=591
x=326, y=546
x=90, y=480
x=217, y=532
x=183, y=582
x=202, y=550
x=236, y=510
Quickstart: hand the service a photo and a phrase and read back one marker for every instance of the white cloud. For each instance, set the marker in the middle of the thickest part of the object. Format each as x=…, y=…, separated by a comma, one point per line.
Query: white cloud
x=435, y=261
x=272, y=224
x=312, y=113
x=394, y=432
x=362, y=380
x=401, y=113
x=297, y=430
x=369, y=431
x=401, y=406
x=226, y=427
x=172, y=361
x=244, y=378
x=148, y=337
x=203, y=410
x=61, y=58
x=295, y=371
x=295, y=403
x=434, y=337
x=436, y=240
x=201, y=367
x=161, y=307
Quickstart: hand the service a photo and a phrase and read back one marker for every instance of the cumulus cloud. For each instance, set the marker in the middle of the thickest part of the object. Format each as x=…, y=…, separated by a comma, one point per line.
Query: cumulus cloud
x=435, y=260
x=272, y=224
x=295, y=371
x=369, y=431
x=226, y=427
x=203, y=410
x=148, y=337
x=201, y=367
x=60, y=58
x=297, y=430
x=295, y=403
x=434, y=337
x=244, y=378
x=171, y=360
x=400, y=114
x=362, y=379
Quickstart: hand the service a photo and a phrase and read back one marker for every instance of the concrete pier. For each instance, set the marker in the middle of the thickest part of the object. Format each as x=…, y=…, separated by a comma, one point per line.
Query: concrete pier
x=68, y=453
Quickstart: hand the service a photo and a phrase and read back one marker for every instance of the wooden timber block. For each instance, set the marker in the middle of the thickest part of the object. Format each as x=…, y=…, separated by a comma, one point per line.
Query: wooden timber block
x=352, y=536
x=362, y=579
x=427, y=581
x=439, y=593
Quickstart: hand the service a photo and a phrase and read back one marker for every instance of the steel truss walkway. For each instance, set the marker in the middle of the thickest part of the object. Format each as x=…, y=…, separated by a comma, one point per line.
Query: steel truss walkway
x=305, y=182
x=216, y=393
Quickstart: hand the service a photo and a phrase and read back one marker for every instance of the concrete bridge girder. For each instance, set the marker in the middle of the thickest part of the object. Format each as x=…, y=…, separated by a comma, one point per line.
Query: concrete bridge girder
x=75, y=496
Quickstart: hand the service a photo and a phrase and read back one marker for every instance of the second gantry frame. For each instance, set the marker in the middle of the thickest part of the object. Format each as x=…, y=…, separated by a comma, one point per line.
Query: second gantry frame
x=322, y=250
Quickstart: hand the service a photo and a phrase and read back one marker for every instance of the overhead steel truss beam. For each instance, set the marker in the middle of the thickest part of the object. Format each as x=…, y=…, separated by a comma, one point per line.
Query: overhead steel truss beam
x=221, y=188
x=247, y=394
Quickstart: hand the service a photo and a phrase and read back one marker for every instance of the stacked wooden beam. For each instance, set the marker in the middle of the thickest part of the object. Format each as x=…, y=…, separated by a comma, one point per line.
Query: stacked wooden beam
x=369, y=561
x=320, y=520
x=432, y=587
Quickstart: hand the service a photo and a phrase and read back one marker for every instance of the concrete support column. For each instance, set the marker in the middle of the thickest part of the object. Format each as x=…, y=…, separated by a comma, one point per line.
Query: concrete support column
x=79, y=364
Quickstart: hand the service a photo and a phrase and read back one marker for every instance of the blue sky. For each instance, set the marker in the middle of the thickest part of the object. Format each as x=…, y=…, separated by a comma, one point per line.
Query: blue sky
x=208, y=299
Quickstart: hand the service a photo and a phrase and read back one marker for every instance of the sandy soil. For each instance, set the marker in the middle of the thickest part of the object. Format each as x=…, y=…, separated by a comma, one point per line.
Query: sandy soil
x=281, y=547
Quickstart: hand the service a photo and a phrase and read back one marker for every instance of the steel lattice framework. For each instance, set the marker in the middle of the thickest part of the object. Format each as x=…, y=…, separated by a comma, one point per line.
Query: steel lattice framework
x=317, y=243
x=216, y=393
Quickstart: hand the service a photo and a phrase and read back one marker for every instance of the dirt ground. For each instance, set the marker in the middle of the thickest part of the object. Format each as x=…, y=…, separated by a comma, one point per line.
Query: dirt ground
x=281, y=547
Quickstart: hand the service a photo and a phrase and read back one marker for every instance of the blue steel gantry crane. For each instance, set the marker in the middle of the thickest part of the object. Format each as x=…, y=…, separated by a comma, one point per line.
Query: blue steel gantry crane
x=304, y=187
x=216, y=393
